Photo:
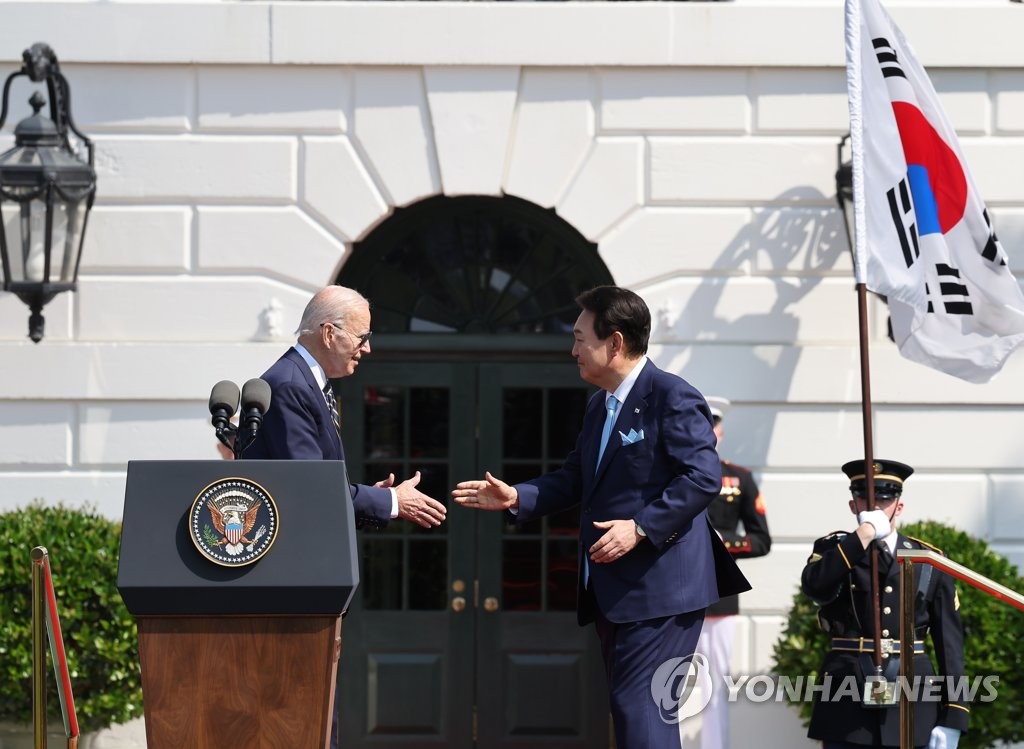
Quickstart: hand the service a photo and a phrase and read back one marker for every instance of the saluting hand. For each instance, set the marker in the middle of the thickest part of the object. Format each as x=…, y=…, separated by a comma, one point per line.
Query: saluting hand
x=490, y=494
x=416, y=506
x=620, y=539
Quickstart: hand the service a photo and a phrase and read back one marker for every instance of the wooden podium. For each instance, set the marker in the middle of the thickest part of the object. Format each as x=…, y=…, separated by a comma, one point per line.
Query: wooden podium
x=237, y=655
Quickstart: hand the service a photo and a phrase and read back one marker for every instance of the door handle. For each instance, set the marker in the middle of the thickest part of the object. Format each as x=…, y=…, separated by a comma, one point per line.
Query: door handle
x=458, y=604
x=491, y=604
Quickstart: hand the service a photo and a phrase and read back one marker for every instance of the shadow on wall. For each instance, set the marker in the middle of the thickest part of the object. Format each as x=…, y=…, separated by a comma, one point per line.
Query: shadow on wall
x=793, y=244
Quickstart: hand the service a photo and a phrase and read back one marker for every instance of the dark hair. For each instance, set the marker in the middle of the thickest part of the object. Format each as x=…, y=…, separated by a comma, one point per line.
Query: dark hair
x=618, y=309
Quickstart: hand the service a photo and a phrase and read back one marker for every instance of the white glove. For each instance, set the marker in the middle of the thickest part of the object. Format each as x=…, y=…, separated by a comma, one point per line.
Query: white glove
x=944, y=738
x=878, y=519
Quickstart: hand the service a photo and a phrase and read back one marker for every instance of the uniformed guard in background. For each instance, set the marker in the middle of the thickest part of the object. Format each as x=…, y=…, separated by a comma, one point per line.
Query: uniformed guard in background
x=837, y=577
x=738, y=514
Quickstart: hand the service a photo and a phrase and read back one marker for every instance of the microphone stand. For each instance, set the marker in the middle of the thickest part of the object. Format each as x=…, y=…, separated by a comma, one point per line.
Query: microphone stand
x=250, y=437
x=227, y=435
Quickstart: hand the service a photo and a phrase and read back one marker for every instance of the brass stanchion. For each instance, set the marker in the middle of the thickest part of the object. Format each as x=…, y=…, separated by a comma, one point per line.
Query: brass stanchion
x=907, y=634
x=38, y=648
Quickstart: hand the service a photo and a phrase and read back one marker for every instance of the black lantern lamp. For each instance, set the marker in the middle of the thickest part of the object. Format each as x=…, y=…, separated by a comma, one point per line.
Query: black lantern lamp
x=46, y=192
x=844, y=188
x=844, y=196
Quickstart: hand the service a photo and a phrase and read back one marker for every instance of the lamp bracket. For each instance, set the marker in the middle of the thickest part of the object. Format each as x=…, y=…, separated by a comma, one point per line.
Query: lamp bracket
x=40, y=65
x=40, y=62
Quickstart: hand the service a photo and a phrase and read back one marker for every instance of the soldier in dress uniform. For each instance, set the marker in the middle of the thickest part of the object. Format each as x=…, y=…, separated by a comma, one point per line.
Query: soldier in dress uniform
x=738, y=514
x=837, y=577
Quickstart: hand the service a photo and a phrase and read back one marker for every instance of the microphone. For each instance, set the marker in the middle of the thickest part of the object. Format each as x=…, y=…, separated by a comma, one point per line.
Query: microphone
x=223, y=404
x=255, y=402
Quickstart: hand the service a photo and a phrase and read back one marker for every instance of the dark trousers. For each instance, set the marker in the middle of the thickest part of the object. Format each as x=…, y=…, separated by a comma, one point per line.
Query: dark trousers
x=632, y=653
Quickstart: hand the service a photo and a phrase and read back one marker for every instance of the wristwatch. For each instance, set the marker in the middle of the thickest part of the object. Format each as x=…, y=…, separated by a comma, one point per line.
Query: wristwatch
x=640, y=531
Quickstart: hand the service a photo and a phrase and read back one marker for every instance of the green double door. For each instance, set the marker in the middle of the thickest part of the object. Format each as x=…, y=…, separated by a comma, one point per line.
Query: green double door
x=466, y=635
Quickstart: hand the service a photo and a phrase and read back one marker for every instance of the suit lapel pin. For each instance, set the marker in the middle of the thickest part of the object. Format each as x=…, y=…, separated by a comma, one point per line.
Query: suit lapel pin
x=636, y=410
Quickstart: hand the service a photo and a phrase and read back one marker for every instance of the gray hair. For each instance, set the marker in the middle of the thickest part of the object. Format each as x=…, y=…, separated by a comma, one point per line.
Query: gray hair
x=332, y=304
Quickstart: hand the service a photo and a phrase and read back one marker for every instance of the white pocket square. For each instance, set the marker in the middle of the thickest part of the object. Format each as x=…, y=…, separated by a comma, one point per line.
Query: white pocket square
x=633, y=436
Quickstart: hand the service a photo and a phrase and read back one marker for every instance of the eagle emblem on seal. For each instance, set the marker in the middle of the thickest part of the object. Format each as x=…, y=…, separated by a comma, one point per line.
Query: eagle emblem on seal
x=233, y=522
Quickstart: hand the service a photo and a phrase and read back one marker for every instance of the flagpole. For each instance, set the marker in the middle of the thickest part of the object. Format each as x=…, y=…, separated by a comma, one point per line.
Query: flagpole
x=869, y=462
x=858, y=246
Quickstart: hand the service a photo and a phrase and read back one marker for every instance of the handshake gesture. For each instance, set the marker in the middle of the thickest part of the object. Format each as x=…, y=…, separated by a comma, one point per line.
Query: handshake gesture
x=490, y=494
x=619, y=538
x=414, y=505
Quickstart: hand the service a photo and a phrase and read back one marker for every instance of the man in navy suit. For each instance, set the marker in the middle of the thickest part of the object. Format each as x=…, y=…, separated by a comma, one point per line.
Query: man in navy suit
x=301, y=422
x=644, y=470
x=334, y=334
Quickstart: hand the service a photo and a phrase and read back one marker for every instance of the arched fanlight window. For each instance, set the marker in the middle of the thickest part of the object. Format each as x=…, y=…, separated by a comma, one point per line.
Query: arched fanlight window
x=474, y=264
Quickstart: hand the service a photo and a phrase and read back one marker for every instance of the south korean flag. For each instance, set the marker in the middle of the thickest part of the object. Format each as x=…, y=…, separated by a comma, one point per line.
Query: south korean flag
x=923, y=237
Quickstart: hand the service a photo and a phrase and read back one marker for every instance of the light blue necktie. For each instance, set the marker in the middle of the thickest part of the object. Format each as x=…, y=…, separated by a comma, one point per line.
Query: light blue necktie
x=612, y=404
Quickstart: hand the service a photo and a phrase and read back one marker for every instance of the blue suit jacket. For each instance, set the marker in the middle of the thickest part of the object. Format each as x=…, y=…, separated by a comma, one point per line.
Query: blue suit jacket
x=665, y=482
x=298, y=426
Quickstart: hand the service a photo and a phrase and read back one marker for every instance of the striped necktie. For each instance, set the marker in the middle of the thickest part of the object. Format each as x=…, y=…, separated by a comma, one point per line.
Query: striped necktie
x=332, y=404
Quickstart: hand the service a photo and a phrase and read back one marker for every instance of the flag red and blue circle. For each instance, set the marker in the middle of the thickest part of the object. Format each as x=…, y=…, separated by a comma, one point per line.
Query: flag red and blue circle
x=936, y=177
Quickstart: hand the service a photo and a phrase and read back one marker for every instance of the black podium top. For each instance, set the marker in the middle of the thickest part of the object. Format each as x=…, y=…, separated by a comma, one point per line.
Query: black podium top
x=310, y=568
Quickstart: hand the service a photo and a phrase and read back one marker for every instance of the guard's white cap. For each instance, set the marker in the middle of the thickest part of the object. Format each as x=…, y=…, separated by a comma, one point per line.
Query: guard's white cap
x=719, y=406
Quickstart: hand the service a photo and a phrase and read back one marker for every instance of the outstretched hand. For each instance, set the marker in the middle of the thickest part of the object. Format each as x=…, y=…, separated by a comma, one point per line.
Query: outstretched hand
x=619, y=539
x=490, y=494
x=415, y=506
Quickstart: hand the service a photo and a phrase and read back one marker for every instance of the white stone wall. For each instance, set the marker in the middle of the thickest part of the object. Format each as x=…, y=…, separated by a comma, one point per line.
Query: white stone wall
x=243, y=146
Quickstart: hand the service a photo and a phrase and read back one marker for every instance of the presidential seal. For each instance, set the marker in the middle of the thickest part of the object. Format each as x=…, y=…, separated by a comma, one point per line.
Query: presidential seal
x=233, y=522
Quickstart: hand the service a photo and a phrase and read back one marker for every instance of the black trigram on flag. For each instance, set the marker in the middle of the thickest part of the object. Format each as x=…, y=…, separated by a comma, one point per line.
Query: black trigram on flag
x=991, y=251
x=901, y=208
x=953, y=294
x=887, y=61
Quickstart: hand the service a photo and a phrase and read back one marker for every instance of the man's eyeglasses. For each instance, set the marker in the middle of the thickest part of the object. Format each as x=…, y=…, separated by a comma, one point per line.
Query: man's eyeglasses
x=363, y=339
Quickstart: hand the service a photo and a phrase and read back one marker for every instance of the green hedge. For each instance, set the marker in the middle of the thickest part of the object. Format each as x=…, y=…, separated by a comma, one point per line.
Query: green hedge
x=993, y=632
x=99, y=634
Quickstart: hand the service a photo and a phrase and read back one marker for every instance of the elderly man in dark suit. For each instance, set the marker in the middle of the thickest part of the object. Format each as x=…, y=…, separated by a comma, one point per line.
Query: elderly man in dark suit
x=643, y=471
x=302, y=422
